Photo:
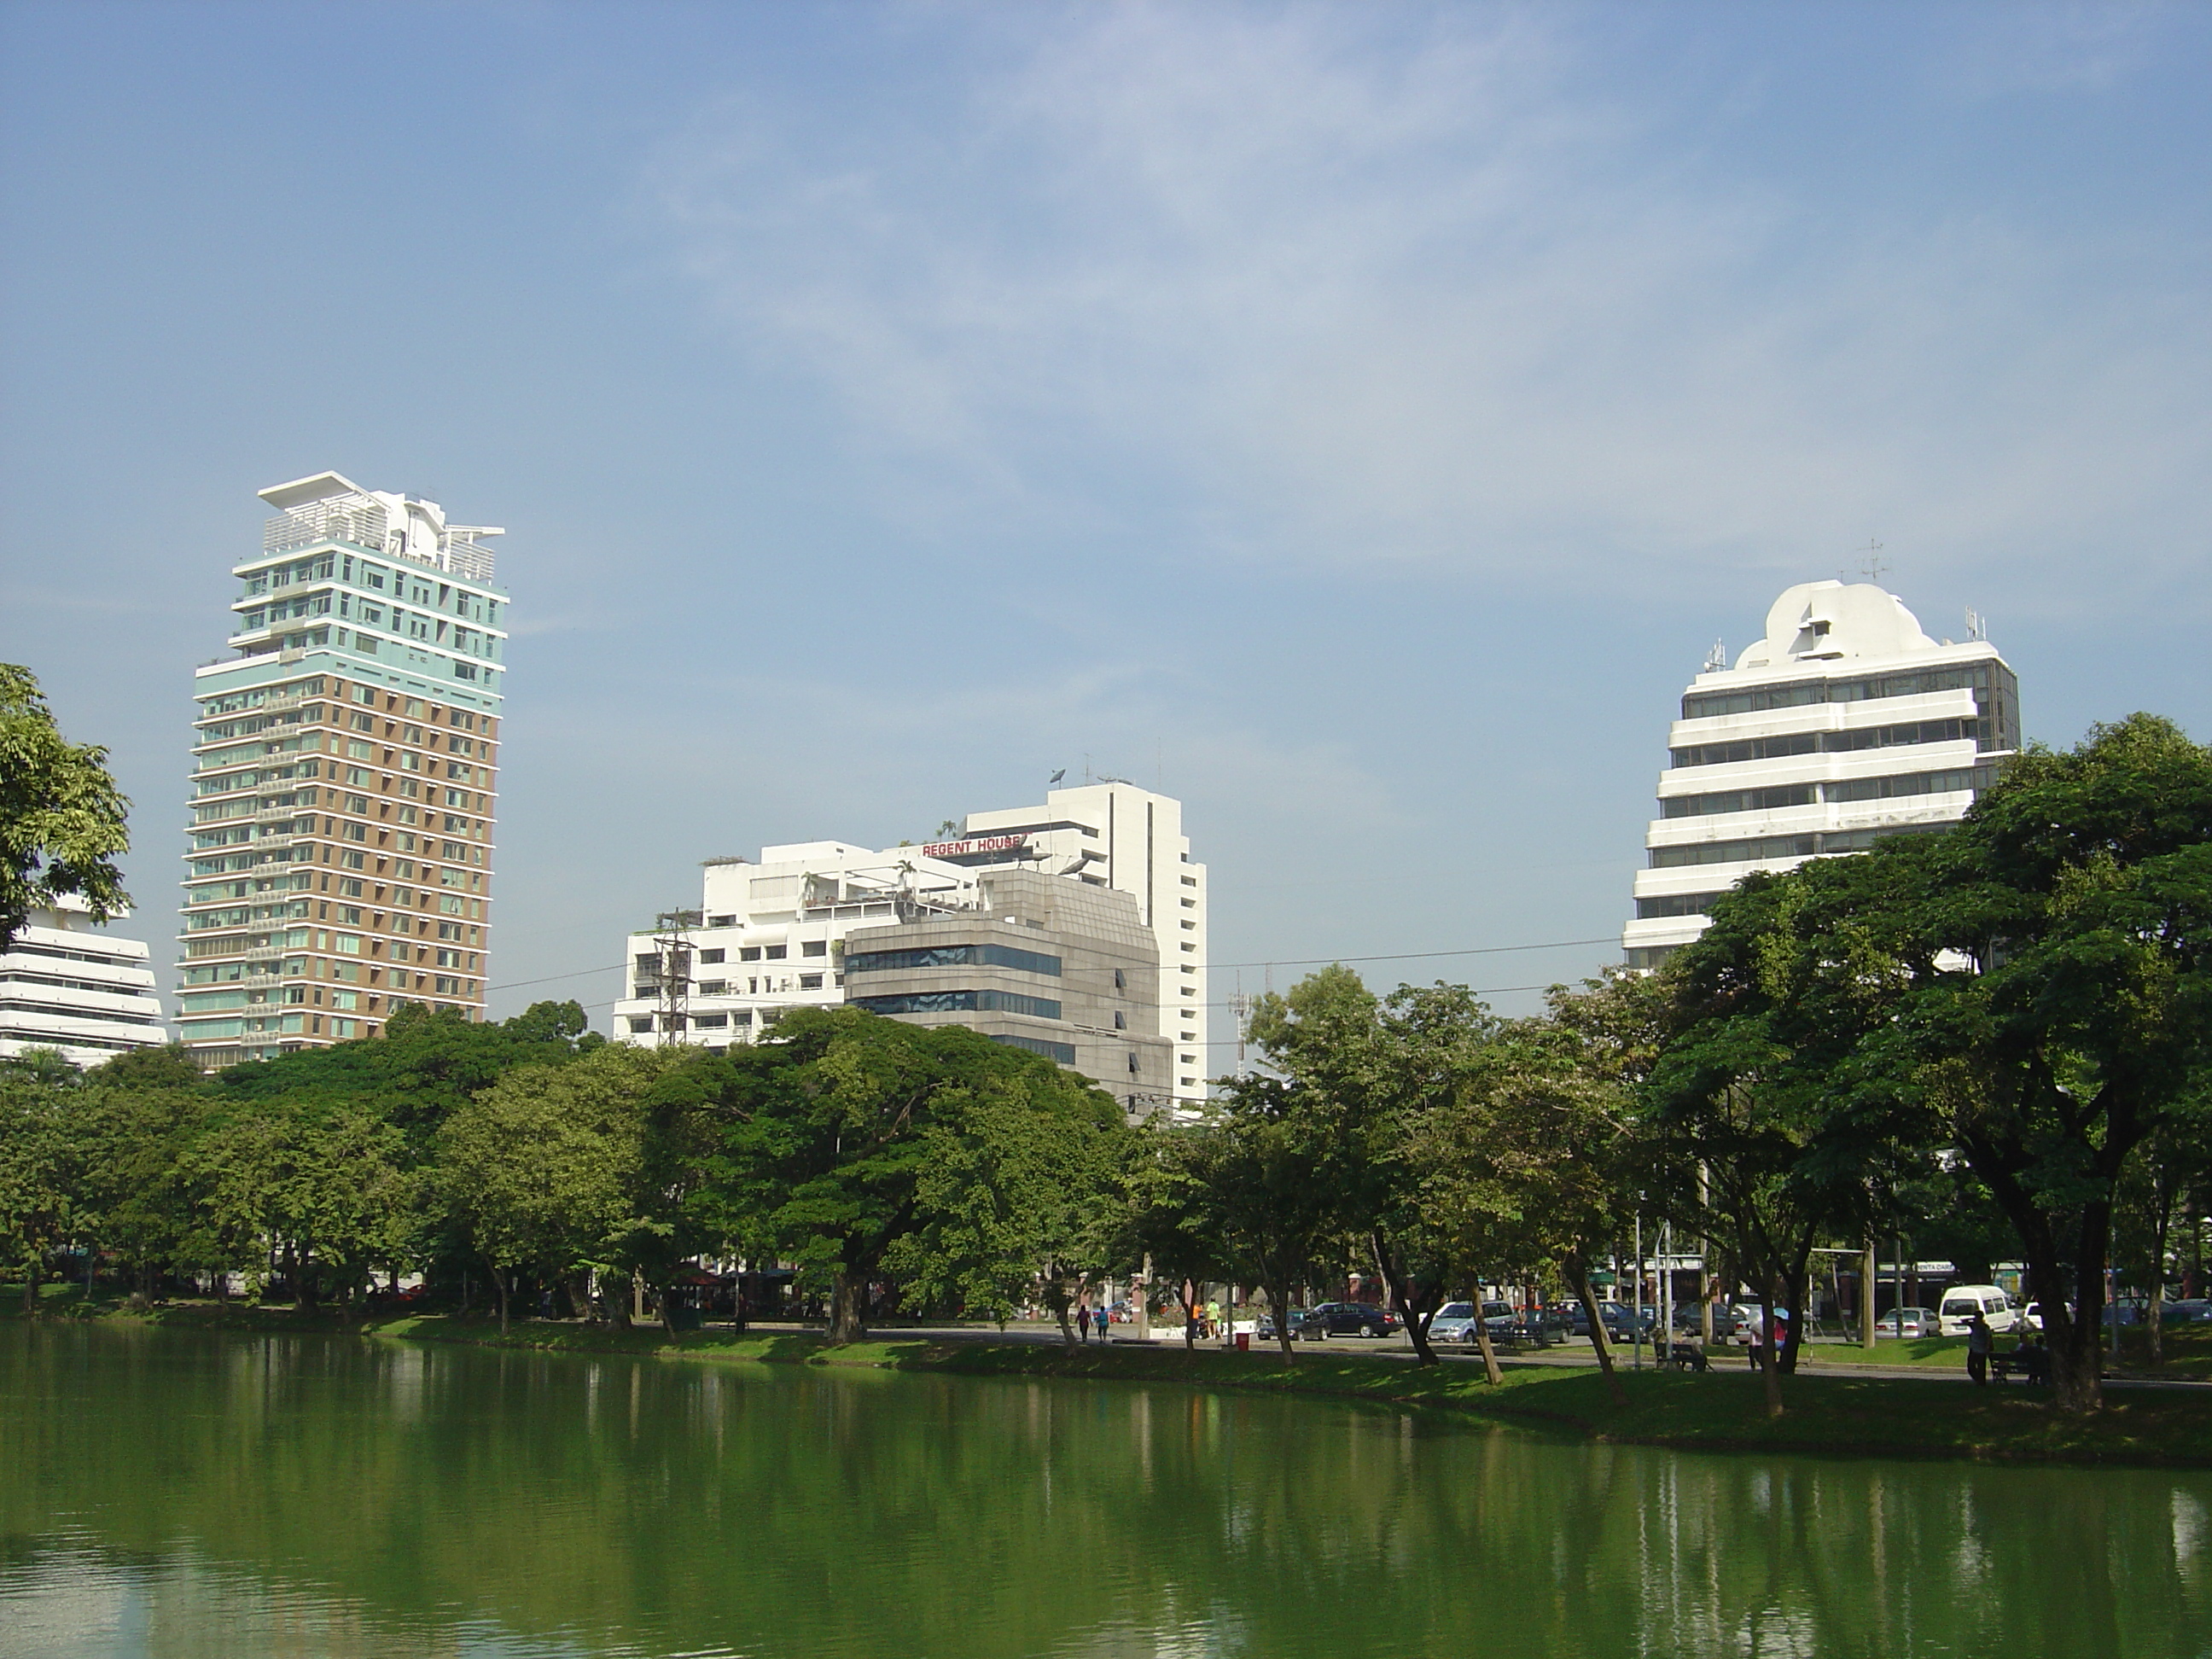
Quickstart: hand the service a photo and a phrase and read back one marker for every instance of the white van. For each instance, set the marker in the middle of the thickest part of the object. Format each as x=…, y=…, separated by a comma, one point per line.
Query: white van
x=1962, y=1301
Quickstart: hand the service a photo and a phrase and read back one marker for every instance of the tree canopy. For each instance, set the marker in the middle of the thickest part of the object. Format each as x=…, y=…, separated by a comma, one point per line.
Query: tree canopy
x=61, y=817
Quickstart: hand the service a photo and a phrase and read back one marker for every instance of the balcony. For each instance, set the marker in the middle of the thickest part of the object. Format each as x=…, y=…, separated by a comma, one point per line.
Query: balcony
x=356, y=520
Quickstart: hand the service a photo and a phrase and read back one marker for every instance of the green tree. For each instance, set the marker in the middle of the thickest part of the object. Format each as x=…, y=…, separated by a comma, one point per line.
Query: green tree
x=1245, y=1195
x=2031, y=991
x=849, y=1141
x=1366, y=1079
x=551, y=1168
x=61, y=819
x=326, y=1188
x=38, y=1201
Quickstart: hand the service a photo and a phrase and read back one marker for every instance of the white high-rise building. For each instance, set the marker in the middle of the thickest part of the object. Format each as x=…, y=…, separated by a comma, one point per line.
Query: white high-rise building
x=345, y=787
x=1843, y=725
x=89, y=994
x=1113, y=834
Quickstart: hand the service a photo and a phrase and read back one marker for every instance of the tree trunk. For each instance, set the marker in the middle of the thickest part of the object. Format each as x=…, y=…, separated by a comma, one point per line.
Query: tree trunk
x=1409, y=1300
x=498, y=1280
x=1278, y=1304
x=1491, y=1371
x=1794, y=1288
x=1770, y=1363
x=2163, y=1197
x=1578, y=1281
x=849, y=1308
x=1057, y=1299
x=580, y=1297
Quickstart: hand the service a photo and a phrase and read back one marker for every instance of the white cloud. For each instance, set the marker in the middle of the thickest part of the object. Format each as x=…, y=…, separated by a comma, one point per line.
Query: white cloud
x=1449, y=296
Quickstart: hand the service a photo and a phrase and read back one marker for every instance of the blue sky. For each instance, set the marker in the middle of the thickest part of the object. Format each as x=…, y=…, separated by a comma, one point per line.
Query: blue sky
x=1359, y=419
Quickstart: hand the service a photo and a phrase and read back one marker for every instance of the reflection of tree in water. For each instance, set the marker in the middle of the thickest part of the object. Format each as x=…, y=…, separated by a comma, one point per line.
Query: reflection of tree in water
x=782, y=1512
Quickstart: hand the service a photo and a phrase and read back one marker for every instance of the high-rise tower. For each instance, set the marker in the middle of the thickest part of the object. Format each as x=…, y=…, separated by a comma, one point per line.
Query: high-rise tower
x=345, y=759
x=1844, y=725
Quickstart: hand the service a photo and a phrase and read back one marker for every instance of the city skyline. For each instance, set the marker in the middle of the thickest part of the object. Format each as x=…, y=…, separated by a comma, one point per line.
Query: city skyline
x=1362, y=441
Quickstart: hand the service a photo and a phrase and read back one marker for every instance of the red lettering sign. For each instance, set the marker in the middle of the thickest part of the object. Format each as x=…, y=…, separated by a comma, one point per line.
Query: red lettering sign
x=956, y=849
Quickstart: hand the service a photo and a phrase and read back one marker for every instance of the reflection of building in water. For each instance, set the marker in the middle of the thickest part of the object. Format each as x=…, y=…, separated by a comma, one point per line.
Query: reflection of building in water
x=1844, y=725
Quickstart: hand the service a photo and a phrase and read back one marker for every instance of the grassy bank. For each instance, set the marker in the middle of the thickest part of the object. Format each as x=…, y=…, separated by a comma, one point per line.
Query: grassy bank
x=1722, y=1410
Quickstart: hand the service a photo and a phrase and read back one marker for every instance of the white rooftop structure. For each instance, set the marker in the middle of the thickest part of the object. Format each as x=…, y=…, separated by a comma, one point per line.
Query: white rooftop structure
x=1842, y=723
x=331, y=506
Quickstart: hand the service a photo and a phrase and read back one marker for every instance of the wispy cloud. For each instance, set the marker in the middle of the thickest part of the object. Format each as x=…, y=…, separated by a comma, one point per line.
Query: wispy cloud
x=1352, y=287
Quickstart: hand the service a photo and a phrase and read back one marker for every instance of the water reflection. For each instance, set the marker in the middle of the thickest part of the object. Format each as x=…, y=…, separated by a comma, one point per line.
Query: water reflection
x=167, y=1494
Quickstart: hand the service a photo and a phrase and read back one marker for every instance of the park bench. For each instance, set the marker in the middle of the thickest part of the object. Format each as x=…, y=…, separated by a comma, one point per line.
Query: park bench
x=2030, y=1365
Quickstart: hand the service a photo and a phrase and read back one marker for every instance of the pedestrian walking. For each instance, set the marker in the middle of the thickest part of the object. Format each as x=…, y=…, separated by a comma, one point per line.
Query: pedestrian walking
x=1083, y=1324
x=1981, y=1340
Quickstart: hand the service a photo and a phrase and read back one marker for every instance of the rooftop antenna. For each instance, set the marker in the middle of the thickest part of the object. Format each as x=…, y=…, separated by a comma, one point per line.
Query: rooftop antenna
x=1977, y=629
x=1716, y=658
x=1873, y=566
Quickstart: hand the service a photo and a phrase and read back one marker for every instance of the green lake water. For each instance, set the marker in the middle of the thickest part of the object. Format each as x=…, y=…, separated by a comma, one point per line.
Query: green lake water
x=168, y=1493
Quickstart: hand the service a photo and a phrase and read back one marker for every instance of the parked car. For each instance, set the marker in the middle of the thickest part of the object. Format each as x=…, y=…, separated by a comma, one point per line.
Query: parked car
x=2190, y=1311
x=1348, y=1319
x=1455, y=1322
x=1539, y=1325
x=1908, y=1322
x=1962, y=1301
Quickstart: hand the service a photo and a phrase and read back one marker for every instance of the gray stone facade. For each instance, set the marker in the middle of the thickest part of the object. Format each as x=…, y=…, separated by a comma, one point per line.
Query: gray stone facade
x=1058, y=967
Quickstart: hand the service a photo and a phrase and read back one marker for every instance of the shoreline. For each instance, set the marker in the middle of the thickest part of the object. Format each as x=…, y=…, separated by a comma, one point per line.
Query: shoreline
x=1828, y=1413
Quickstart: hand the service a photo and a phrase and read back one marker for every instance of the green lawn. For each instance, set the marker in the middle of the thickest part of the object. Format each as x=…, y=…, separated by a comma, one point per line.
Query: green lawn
x=1721, y=1410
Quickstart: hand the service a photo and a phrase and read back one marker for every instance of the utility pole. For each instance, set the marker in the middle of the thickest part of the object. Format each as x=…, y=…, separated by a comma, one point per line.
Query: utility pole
x=672, y=1018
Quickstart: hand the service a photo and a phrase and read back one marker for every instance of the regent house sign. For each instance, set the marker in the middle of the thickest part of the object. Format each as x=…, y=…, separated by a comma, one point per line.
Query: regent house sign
x=961, y=850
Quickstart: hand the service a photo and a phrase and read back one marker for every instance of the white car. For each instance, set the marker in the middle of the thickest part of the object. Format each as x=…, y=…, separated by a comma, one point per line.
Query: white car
x=1906, y=1323
x=1962, y=1301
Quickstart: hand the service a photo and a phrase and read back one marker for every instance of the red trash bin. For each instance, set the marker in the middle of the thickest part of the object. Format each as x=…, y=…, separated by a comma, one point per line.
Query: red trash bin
x=1243, y=1341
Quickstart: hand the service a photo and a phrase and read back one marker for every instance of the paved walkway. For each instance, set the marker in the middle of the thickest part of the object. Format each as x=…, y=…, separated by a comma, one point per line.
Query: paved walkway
x=1811, y=1361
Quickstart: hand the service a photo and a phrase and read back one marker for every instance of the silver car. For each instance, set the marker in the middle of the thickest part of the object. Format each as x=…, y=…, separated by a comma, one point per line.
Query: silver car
x=1455, y=1320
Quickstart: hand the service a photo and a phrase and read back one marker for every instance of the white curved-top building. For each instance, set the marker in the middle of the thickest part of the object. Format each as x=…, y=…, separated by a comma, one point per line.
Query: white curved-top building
x=89, y=994
x=1845, y=723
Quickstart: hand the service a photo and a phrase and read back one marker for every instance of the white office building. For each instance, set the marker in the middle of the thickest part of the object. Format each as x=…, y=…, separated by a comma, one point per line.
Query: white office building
x=771, y=936
x=89, y=994
x=1843, y=725
x=1113, y=834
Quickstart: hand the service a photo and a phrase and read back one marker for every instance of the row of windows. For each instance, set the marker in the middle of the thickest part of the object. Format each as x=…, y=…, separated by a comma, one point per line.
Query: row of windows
x=720, y=988
x=1833, y=743
x=957, y=1002
x=1675, y=904
x=1783, y=847
x=1062, y=1053
x=953, y=956
x=1798, y=694
x=362, y=573
x=1976, y=778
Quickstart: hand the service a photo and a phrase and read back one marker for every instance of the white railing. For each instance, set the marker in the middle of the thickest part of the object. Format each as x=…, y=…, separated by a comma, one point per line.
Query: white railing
x=467, y=557
x=344, y=519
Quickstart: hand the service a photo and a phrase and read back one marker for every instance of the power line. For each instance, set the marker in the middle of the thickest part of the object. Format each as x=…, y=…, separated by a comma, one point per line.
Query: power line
x=1415, y=956
x=1277, y=962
